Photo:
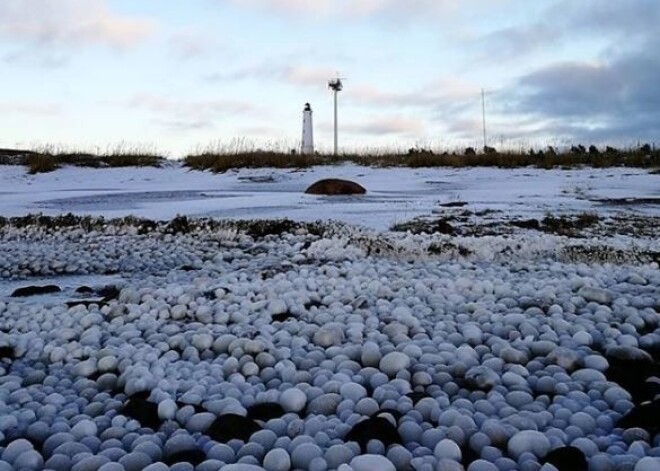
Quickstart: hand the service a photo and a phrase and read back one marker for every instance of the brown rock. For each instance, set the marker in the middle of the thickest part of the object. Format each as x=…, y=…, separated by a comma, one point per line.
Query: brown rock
x=334, y=186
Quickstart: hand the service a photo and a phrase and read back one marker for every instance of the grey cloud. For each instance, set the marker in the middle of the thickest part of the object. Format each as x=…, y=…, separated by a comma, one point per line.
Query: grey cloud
x=569, y=20
x=616, y=100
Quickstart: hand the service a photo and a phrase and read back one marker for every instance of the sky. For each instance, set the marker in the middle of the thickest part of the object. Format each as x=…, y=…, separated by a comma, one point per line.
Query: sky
x=183, y=76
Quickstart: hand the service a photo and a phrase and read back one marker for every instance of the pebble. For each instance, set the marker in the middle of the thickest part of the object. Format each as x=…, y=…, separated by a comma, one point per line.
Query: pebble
x=529, y=441
x=371, y=463
x=293, y=400
x=394, y=362
x=371, y=362
x=277, y=460
x=447, y=449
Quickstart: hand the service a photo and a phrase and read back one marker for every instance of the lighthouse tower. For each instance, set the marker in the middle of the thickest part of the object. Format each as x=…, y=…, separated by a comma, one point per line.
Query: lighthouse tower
x=307, y=146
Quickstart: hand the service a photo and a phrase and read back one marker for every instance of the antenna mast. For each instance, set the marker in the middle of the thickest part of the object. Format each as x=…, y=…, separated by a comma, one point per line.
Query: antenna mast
x=336, y=85
x=483, y=113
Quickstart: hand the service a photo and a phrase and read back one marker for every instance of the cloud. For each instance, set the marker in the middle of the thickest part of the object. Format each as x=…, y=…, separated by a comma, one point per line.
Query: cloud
x=447, y=96
x=567, y=21
x=610, y=100
x=187, y=115
x=382, y=127
x=186, y=45
x=307, y=76
x=35, y=109
x=70, y=24
x=357, y=9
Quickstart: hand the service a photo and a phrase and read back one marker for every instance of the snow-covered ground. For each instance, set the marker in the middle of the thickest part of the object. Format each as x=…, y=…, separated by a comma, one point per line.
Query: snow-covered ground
x=334, y=347
x=394, y=194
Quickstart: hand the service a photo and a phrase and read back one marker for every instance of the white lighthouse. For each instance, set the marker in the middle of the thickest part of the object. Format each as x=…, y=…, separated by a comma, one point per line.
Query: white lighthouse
x=307, y=146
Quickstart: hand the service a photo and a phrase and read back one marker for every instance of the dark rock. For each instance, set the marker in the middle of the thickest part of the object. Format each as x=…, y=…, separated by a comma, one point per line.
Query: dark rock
x=645, y=416
x=375, y=428
x=86, y=302
x=194, y=457
x=84, y=290
x=568, y=458
x=468, y=455
x=139, y=408
x=333, y=186
x=265, y=411
x=197, y=407
x=393, y=412
x=7, y=353
x=454, y=204
x=313, y=303
x=417, y=396
x=35, y=290
x=527, y=224
x=232, y=427
x=109, y=293
x=442, y=227
x=630, y=369
x=282, y=317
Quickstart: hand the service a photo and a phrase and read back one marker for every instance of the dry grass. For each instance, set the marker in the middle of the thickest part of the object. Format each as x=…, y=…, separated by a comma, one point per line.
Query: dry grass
x=49, y=158
x=221, y=160
x=254, y=159
x=240, y=153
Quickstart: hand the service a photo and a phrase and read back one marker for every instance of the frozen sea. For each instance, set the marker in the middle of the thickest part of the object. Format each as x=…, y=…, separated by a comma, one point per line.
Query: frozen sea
x=394, y=194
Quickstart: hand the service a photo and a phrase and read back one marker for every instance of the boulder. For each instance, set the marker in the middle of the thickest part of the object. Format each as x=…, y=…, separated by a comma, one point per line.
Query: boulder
x=334, y=186
x=375, y=428
x=35, y=291
x=232, y=427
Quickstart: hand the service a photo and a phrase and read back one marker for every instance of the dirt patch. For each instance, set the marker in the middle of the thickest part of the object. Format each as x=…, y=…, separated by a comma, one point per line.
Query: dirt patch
x=454, y=204
x=627, y=201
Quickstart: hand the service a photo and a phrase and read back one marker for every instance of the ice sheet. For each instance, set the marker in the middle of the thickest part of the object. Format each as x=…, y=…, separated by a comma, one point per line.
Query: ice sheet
x=394, y=194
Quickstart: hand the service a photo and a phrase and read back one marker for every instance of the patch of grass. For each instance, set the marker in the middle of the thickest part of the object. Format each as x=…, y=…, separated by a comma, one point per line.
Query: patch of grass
x=221, y=159
x=566, y=225
x=256, y=228
x=418, y=226
x=41, y=163
x=254, y=159
x=49, y=158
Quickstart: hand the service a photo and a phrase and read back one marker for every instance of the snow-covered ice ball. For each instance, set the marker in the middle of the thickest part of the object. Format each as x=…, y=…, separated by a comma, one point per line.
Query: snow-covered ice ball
x=84, y=428
x=325, y=404
x=371, y=463
x=277, y=460
x=202, y=341
x=394, y=362
x=482, y=465
x=648, y=463
x=337, y=455
x=15, y=449
x=302, y=455
x=596, y=295
x=277, y=306
x=447, y=449
x=329, y=335
x=371, y=355
x=293, y=400
x=529, y=441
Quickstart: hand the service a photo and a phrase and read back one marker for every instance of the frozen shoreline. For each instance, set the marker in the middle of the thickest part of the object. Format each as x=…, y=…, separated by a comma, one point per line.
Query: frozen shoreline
x=275, y=346
x=394, y=195
x=269, y=353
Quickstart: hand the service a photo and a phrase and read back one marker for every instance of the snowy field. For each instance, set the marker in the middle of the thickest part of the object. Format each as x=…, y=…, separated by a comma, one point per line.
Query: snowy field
x=207, y=344
x=394, y=194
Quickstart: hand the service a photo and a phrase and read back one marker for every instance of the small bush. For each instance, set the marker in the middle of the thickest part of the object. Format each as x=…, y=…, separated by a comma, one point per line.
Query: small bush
x=38, y=163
